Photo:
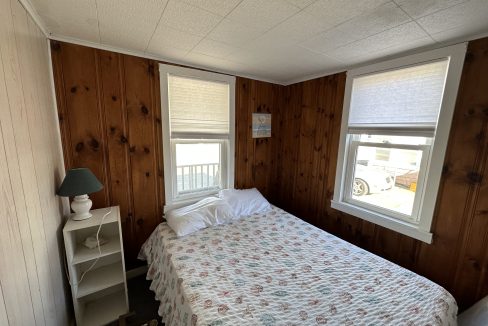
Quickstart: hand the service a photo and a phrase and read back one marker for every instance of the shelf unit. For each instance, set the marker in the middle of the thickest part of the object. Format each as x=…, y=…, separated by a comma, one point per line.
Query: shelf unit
x=101, y=296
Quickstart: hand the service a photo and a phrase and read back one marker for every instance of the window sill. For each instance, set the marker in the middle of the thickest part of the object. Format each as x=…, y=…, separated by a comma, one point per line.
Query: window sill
x=188, y=200
x=402, y=227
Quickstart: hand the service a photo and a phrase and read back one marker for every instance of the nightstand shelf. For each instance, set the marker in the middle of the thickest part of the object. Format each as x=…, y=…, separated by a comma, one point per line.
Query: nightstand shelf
x=102, y=310
x=100, y=279
x=84, y=254
x=101, y=296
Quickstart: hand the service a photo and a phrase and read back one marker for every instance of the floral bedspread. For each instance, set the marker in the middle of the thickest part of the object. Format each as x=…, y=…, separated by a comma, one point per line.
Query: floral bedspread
x=275, y=269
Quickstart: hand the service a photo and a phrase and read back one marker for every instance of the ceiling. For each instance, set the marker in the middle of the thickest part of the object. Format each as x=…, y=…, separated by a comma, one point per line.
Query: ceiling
x=283, y=41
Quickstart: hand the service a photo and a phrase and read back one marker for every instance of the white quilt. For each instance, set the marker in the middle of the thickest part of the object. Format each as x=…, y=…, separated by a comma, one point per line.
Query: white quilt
x=276, y=269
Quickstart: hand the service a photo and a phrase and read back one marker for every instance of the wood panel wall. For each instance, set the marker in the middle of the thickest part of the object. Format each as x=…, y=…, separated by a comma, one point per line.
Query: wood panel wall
x=32, y=282
x=109, y=111
x=255, y=157
x=458, y=257
x=110, y=120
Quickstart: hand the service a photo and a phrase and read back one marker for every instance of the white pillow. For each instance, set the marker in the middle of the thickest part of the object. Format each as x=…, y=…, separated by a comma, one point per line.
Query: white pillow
x=245, y=202
x=207, y=212
x=477, y=315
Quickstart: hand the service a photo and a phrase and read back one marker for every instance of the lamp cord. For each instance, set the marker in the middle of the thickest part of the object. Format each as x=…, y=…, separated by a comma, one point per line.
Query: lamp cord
x=99, y=253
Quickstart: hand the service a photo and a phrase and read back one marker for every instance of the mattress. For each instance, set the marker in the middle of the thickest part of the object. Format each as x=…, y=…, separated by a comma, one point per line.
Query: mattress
x=275, y=269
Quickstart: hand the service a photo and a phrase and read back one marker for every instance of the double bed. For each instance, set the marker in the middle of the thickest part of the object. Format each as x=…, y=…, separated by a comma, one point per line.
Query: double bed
x=275, y=269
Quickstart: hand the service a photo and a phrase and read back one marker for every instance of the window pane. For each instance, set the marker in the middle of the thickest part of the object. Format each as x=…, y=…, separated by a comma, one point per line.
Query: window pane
x=198, y=167
x=386, y=177
x=408, y=96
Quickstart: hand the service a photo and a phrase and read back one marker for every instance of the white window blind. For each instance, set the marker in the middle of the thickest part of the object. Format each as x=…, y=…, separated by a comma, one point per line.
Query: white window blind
x=198, y=106
x=405, y=97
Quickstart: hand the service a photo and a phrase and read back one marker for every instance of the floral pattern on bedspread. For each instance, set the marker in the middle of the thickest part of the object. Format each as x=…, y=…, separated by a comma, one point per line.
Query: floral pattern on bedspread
x=275, y=269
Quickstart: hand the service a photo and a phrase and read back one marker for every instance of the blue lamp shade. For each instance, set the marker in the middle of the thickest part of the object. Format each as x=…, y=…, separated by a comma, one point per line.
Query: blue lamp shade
x=77, y=182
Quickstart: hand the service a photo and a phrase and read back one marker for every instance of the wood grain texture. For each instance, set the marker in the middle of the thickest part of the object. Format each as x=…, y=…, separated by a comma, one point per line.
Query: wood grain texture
x=109, y=113
x=295, y=168
x=255, y=157
x=457, y=259
x=32, y=284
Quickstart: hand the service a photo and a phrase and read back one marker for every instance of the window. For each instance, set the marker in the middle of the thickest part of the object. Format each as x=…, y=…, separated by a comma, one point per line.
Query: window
x=395, y=127
x=198, y=133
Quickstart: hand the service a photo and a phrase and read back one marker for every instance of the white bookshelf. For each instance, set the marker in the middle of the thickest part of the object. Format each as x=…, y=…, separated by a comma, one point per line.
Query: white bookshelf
x=101, y=297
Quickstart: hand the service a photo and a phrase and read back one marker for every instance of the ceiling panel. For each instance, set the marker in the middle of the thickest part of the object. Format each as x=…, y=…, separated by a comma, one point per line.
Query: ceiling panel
x=420, y=8
x=188, y=18
x=262, y=15
x=233, y=33
x=127, y=22
x=383, y=18
x=168, y=37
x=214, y=48
x=334, y=12
x=471, y=13
x=73, y=18
x=277, y=40
x=301, y=3
x=403, y=34
x=219, y=7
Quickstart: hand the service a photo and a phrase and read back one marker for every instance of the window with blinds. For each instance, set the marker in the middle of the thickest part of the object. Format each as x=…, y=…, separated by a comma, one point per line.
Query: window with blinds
x=198, y=107
x=394, y=132
x=198, y=140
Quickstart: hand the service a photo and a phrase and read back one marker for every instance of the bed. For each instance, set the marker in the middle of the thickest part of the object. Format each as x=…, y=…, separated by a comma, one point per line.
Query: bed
x=275, y=269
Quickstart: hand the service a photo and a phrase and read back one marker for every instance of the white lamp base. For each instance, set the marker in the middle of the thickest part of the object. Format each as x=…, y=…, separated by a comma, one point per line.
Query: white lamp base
x=81, y=206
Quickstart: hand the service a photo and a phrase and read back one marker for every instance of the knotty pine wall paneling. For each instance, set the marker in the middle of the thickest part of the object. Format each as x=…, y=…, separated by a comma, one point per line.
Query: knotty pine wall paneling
x=255, y=157
x=110, y=120
x=32, y=282
x=294, y=169
x=458, y=257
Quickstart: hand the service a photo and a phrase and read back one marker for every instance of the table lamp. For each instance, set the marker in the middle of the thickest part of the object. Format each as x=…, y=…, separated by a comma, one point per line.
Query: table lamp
x=79, y=183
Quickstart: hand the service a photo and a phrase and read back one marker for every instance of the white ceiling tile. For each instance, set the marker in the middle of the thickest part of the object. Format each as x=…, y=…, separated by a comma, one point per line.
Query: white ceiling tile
x=167, y=53
x=272, y=39
x=462, y=33
x=188, y=18
x=213, y=48
x=168, y=37
x=419, y=8
x=474, y=13
x=301, y=3
x=394, y=37
x=262, y=15
x=296, y=29
x=383, y=18
x=219, y=7
x=73, y=18
x=127, y=22
x=210, y=62
x=334, y=12
x=234, y=33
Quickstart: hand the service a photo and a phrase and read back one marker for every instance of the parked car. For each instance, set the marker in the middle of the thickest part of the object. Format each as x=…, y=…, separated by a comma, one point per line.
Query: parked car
x=407, y=179
x=369, y=180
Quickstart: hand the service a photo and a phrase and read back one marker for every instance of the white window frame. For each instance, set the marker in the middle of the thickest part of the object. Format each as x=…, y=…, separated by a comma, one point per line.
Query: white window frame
x=169, y=144
x=424, y=204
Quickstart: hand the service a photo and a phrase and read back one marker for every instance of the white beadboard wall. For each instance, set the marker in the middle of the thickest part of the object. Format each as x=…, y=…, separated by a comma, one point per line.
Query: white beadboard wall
x=32, y=281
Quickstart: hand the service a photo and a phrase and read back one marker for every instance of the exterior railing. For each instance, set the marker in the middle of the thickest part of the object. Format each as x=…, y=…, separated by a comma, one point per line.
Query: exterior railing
x=197, y=177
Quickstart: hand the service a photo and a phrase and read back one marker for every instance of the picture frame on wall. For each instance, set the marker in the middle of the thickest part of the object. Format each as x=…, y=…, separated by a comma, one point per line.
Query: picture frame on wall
x=261, y=125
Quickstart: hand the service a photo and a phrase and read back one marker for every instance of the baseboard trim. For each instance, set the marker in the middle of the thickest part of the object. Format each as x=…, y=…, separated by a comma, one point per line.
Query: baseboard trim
x=136, y=272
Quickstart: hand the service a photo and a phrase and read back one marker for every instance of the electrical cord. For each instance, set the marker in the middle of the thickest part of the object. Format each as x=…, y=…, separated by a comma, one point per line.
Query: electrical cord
x=99, y=253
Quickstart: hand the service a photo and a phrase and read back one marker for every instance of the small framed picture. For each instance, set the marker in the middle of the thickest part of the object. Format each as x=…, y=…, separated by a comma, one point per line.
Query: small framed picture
x=261, y=125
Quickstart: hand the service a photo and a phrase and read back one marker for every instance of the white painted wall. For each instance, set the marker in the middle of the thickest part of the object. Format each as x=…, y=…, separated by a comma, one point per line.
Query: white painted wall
x=32, y=282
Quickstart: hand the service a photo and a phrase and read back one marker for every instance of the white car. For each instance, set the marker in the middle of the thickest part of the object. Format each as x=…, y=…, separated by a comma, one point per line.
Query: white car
x=369, y=180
